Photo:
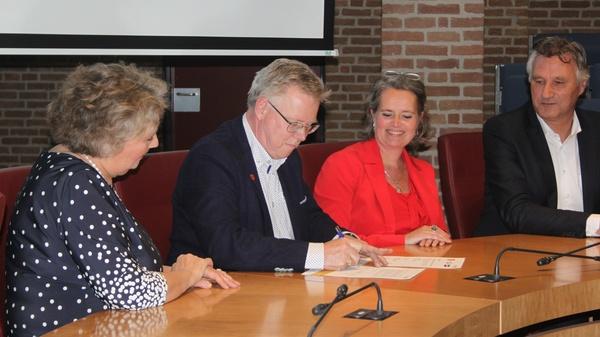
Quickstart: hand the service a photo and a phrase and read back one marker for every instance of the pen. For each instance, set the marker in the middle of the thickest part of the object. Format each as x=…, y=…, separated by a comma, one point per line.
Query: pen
x=339, y=232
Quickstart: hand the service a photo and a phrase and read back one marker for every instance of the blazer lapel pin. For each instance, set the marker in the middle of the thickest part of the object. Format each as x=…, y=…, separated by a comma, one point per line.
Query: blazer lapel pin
x=303, y=200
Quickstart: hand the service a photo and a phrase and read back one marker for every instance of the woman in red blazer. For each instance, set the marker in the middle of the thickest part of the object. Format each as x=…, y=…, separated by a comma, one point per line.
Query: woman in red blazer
x=375, y=188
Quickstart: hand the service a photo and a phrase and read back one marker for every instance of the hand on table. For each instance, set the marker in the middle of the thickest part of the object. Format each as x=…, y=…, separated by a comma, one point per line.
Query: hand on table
x=218, y=276
x=201, y=271
x=428, y=236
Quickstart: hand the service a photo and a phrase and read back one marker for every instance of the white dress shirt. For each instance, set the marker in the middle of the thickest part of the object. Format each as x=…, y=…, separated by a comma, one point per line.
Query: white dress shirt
x=271, y=186
x=567, y=170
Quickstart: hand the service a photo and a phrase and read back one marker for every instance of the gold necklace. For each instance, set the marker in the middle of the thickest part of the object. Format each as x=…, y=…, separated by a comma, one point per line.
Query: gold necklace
x=396, y=184
x=91, y=162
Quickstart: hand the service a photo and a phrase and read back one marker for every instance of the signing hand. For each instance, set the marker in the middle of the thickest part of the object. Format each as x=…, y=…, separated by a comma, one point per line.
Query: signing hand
x=342, y=253
x=366, y=250
x=339, y=254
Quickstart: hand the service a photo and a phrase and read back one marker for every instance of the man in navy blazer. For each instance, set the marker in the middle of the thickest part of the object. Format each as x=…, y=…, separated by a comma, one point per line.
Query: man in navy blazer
x=542, y=161
x=240, y=197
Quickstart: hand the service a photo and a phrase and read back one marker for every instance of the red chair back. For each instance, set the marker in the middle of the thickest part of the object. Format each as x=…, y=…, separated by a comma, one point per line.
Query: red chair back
x=147, y=193
x=3, y=234
x=313, y=156
x=2, y=209
x=11, y=182
x=462, y=176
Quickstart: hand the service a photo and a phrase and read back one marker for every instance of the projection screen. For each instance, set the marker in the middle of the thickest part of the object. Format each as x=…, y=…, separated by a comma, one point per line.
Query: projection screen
x=174, y=27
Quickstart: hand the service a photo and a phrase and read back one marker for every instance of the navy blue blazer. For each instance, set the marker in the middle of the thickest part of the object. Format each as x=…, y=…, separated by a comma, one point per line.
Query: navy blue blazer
x=520, y=186
x=219, y=209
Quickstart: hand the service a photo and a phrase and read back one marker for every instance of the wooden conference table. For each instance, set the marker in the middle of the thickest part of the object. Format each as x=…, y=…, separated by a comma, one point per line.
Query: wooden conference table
x=434, y=303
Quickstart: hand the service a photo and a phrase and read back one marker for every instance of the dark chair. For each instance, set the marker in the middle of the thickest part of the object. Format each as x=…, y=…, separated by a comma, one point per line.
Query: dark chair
x=594, y=83
x=589, y=41
x=591, y=104
x=313, y=156
x=11, y=182
x=512, y=87
x=462, y=176
x=147, y=193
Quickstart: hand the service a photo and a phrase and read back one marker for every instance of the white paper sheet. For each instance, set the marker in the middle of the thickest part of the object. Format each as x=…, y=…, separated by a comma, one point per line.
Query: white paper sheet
x=373, y=272
x=425, y=262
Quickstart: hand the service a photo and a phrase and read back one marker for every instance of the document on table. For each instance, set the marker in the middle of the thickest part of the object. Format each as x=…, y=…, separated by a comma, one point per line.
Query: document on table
x=425, y=262
x=374, y=272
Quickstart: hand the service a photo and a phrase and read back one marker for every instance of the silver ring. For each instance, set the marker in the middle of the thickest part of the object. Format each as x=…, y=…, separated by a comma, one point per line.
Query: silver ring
x=434, y=228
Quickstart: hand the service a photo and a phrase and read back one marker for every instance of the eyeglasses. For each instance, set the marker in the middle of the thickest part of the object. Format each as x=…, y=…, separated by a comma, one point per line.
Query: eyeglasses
x=410, y=76
x=294, y=127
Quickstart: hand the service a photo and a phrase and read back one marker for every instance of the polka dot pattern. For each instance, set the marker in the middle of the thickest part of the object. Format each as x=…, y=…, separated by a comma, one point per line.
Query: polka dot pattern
x=74, y=249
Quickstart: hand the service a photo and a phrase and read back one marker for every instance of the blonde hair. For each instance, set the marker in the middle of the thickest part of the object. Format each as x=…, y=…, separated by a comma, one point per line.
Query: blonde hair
x=280, y=74
x=101, y=106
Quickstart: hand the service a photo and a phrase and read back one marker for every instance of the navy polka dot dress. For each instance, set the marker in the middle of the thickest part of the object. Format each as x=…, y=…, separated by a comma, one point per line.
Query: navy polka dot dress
x=74, y=249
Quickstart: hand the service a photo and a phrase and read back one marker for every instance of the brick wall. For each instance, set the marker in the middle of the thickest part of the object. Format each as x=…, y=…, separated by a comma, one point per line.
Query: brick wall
x=24, y=94
x=565, y=16
x=27, y=84
x=454, y=44
x=357, y=31
x=509, y=23
x=443, y=42
x=506, y=41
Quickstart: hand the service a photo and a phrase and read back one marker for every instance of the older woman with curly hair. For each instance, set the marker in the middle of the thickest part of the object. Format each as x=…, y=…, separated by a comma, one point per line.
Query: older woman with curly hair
x=375, y=188
x=73, y=247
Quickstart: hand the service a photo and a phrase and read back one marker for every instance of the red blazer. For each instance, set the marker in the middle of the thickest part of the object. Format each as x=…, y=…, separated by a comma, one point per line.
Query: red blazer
x=352, y=189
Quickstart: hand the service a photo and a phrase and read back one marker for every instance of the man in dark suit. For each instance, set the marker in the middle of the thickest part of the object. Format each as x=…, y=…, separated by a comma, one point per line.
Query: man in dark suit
x=542, y=162
x=240, y=197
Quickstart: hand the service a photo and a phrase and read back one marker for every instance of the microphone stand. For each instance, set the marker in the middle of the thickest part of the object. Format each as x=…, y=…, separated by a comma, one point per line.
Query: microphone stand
x=377, y=315
x=318, y=309
x=549, y=259
x=496, y=277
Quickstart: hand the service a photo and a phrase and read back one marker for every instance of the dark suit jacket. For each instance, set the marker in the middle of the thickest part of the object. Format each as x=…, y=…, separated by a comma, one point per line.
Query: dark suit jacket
x=520, y=188
x=219, y=209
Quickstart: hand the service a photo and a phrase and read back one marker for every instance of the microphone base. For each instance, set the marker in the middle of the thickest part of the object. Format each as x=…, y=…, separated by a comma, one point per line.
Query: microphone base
x=489, y=278
x=370, y=314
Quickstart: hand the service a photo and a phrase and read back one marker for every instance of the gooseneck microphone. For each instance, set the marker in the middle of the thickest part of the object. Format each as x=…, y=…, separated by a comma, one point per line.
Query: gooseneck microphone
x=496, y=277
x=321, y=307
x=549, y=259
x=378, y=314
